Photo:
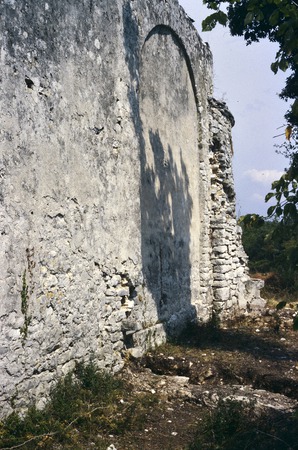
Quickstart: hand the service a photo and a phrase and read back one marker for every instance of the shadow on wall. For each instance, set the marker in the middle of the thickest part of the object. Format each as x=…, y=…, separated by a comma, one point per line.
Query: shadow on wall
x=163, y=109
x=166, y=209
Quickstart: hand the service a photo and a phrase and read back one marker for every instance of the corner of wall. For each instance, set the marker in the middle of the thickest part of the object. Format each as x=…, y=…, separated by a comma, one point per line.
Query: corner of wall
x=233, y=290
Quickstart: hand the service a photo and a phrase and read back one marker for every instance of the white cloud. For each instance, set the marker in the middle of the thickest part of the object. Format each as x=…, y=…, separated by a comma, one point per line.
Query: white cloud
x=263, y=176
x=258, y=197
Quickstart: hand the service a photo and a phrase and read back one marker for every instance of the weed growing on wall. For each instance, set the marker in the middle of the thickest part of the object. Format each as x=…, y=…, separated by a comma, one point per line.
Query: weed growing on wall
x=24, y=308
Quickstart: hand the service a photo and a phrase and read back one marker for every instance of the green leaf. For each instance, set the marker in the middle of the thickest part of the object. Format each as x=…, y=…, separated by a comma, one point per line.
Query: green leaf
x=212, y=5
x=211, y=21
x=274, y=67
x=290, y=210
x=281, y=305
x=275, y=184
x=208, y=24
x=278, y=196
x=283, y=29
x=252, y=5
x=271, y=210
x=283, y=64
x=278, y=211
x=292, y=198
x=259, y=16
x=295, y=107
x=222, y=18
x=249, y=18
x=274, y=18
x=269, y=196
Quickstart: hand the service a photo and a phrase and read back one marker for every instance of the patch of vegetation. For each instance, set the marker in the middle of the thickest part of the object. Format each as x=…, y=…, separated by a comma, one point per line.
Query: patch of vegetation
x=24, y=308
x=235, y=426
x=85, y=406
x=196, y=334
x=272, y=247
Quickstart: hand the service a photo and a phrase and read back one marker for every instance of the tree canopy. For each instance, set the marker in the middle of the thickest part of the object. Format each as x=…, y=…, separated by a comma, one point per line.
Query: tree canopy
x=276, y=20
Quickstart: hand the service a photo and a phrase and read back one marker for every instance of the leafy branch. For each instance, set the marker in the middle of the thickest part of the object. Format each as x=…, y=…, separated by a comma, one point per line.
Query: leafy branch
x=276, y=20
x=285, y=192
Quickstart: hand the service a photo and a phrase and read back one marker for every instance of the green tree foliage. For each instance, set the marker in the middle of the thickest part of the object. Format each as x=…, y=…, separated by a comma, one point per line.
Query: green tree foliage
x=234, y=425
x=285, y=190
x=276, y=20
x=272, y=246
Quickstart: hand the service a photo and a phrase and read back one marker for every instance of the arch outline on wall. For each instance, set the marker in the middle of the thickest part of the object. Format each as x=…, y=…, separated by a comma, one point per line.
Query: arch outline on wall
x=166, y=29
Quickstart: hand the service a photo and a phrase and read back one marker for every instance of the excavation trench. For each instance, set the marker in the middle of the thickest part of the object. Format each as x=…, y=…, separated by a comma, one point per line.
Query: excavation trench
x=249, y=352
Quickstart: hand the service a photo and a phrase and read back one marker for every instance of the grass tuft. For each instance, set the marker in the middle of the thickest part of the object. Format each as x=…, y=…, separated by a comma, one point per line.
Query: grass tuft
x=81, y=404
x=235, y=426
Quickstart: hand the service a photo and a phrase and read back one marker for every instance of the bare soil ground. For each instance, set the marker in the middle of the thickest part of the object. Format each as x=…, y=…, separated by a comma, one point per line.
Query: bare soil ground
x=251, y=359
x=232, y=387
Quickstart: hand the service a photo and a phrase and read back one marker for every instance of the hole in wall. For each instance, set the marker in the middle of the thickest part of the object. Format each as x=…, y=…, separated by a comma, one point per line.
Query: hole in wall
x=29, y=83
x=128, y=340
x=132, y=292
x=97, y=130
x=215, y=145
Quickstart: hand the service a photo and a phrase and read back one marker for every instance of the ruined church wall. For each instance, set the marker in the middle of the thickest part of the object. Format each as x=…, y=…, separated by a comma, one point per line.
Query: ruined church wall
x=234, y=291
x=75, y=273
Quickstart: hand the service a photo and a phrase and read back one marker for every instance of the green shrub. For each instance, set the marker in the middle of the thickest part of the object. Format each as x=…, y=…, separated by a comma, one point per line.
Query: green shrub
x=98, y=383
x=272, y=246
x=82, y=398
x=236, y=426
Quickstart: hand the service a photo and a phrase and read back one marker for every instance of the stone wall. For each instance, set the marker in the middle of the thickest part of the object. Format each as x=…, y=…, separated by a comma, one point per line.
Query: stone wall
x=233, y=289
x=117, y=211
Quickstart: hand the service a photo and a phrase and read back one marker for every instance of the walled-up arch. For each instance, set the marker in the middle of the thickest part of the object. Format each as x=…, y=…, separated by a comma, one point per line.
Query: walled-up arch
x=98, y=250
x=170, y=177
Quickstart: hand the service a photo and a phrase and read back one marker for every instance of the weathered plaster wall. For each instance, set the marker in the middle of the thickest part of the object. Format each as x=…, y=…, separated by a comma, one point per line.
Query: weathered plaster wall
x=170, y=194
x=107, y=218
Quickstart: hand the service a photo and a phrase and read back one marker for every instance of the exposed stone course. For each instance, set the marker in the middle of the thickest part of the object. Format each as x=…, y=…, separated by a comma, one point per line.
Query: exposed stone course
x=117, y=204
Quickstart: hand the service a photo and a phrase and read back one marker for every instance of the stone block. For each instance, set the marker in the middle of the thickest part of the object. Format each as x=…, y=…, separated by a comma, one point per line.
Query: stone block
x=150, y=337
x=222, y=294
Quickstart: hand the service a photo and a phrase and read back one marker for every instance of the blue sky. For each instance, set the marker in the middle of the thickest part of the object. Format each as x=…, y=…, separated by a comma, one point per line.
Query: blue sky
x=243, y=79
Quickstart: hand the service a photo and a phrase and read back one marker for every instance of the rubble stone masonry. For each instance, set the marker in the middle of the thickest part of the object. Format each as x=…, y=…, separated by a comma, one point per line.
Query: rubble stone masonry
x=117, y=204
